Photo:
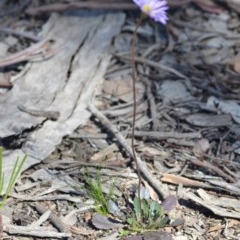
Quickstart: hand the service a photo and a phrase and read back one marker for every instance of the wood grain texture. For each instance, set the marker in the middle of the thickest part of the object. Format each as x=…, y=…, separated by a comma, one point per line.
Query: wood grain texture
x=65, y=83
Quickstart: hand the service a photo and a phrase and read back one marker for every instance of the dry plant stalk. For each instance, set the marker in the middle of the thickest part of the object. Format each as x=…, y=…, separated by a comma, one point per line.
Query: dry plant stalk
x=157, y=11
x=134, y=79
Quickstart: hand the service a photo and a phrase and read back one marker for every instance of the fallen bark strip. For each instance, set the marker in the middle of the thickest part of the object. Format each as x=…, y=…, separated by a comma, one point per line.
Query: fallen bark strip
x=143, y=168
x=56, y=222
x=52, y=115
x=65, y=83
x=176, y=179
x=166, y=135
x=148, y=134
x=40, y=49
x=34, y=231
x=60, y=197
x=20, y=34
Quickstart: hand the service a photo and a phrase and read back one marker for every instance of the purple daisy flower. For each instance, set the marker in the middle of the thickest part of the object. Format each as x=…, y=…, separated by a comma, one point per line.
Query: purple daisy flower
x=156, y=9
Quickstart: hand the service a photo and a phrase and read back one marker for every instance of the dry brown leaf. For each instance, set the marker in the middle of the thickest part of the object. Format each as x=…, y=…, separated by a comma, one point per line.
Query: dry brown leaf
x=201, y=147
x=236, y=63
x=105, y=153
x=81, y=230
x=151, y=191
x=121, y=88
x=151, y=151
x=217, y=227
x=175, y=179
x=208, y=6
x=102, y=222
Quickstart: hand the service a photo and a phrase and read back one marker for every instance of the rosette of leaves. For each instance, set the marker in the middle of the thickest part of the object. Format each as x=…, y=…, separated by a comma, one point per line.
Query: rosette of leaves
x=153, y=216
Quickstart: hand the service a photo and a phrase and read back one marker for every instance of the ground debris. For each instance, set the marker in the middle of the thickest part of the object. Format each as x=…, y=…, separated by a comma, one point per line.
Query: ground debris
x=79, y=69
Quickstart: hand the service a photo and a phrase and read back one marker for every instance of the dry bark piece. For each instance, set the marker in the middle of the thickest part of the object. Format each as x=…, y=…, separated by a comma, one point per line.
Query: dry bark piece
x=200, y=148
x=224, y=207
x=40, y=50
x=156, y=235
x=52, y=115
x=228, y=107
x=42, y=232
x=102, y=222
x=166, y=135
x=207, y=120
x=45, y=83
x=174, y=92
x=212, y=167
x=121, y=88
x=56, y=221
x=175, y=179
x=236, y=63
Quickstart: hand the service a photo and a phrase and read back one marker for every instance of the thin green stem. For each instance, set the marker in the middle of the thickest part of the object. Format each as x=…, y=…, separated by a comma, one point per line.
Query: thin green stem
x=13, y=177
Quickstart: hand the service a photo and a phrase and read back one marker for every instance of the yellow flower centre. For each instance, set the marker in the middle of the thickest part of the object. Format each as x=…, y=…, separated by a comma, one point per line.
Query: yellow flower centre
x=146, y=8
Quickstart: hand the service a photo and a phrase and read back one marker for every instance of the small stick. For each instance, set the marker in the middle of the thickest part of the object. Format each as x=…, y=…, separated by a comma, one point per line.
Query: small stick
x=57, y=223
x=29, y=53
x=41, y=232
x=166, y=135
x=52, y=115
x=154, y=65
x=60, y=7
x=112, y=128
x=20, y=34
x=215, y=169
x=148, y=134
x=152, y=106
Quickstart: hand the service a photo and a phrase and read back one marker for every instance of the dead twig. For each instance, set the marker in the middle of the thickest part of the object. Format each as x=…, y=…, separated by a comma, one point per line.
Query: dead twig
x=213, y=168
x=59, y=7
x=66, y=165
x=152, y=106
x=52, y=115
x=34, y=51
x=60, y=197
x=20, y=34
x=142, y=166
x=154, y=65
x=176, y=179
x=108, y=5
x=85, y=135
x=56, y=222
x=42, y=232
x=166, y=135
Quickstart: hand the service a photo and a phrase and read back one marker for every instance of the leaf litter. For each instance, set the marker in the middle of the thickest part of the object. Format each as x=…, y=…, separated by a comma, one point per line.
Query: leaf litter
x=187, y=135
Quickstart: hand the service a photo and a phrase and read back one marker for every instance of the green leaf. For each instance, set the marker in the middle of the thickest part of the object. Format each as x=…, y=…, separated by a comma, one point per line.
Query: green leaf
x=123, y=233
x=13, y=177
x=155, y=210
x=131, y=221
x=162, y=222
x=145, y=209
x=137, y=208
x=95, y=190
